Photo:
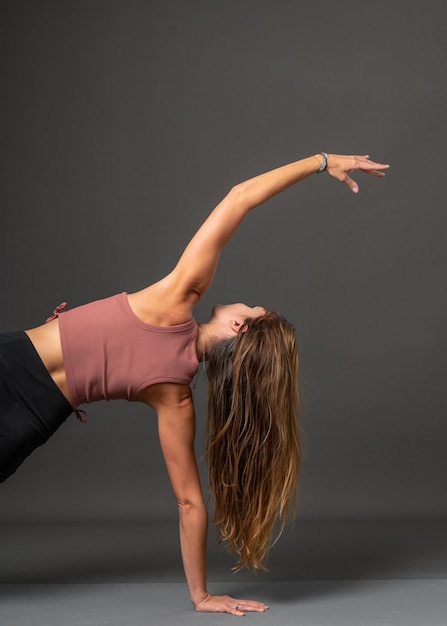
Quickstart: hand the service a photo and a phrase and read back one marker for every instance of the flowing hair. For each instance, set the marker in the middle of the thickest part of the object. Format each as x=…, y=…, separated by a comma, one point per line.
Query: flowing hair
x=253, y=448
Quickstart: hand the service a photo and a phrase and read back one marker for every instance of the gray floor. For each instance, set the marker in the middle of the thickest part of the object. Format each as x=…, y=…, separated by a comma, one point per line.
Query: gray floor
x=324, y=573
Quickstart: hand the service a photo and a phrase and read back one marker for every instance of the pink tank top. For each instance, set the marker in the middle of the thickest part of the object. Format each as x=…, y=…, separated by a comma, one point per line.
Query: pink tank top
x=109, y=353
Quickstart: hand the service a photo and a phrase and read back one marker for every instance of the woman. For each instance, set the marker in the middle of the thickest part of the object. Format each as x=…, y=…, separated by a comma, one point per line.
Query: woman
x=146, y=347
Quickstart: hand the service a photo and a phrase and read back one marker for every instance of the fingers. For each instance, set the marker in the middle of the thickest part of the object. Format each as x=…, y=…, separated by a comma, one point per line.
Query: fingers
x=340, y=166
x=248, y=606
x=365, y=164
x=351, y=184
x=238, y=611
x=376, y=173
x=370, y=166
x=354, y=162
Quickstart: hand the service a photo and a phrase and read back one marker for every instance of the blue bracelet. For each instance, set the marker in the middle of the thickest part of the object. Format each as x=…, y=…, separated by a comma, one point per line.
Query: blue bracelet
x=323, y=166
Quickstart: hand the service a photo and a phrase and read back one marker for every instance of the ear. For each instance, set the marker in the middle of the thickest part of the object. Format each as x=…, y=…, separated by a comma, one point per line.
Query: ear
x=234, y=325
x=237, y=327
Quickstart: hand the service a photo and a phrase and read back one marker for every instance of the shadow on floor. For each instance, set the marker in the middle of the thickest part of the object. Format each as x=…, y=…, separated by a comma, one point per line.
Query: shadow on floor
x=337, y=552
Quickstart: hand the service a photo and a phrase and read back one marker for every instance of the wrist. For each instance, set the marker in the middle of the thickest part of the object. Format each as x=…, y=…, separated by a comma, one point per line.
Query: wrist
x=200, y=598
x=322, y=160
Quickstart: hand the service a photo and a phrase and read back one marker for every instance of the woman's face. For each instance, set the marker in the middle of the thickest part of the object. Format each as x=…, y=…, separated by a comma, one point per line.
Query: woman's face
x=238, y=312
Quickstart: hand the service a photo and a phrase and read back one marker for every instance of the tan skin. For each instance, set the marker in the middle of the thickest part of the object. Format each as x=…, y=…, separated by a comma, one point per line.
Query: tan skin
x=171, y=301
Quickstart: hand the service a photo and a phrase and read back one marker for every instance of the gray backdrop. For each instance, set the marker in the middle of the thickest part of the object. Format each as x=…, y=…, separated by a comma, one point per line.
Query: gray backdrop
x=124, y=122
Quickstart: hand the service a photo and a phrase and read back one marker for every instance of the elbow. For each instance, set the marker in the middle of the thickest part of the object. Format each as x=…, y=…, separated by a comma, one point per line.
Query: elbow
x=241, y=195
x=238, y=190
x=188, y=507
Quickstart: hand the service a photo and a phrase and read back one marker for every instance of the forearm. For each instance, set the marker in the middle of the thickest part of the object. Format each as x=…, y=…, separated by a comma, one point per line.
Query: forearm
x=193, y=534
x=259, y=189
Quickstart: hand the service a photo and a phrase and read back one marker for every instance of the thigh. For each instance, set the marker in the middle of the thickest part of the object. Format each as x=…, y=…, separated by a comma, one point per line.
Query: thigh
x=31, y=406
x=21, y=432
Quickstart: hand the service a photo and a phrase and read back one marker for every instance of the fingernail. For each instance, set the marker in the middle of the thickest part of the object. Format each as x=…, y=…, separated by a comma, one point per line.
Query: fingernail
x=355, y=190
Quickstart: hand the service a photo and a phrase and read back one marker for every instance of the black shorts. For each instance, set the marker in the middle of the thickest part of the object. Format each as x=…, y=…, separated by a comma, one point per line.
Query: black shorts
x=32, y=407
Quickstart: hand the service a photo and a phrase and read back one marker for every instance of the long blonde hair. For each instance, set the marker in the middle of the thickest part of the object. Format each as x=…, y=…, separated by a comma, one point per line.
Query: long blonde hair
x=253, y=449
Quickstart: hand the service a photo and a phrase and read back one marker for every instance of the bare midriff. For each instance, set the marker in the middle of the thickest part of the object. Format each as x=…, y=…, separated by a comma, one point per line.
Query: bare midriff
x=47, y=342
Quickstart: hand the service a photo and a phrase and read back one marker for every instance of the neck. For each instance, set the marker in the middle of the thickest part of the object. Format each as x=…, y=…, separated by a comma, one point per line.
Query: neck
x=207, y=336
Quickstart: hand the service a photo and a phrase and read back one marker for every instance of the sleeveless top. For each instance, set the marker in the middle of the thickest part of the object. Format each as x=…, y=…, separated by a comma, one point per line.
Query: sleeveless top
x=109, y=353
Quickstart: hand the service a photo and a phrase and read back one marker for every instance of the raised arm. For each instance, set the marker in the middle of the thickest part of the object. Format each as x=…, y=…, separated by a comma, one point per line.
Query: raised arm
x=196, y=268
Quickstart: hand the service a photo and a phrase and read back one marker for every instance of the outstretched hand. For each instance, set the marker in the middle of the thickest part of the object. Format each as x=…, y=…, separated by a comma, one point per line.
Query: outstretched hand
x=226, y=604
x=340, y=166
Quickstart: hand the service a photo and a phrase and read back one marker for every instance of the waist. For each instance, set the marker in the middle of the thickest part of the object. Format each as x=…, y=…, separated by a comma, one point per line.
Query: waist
x=47, y=343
